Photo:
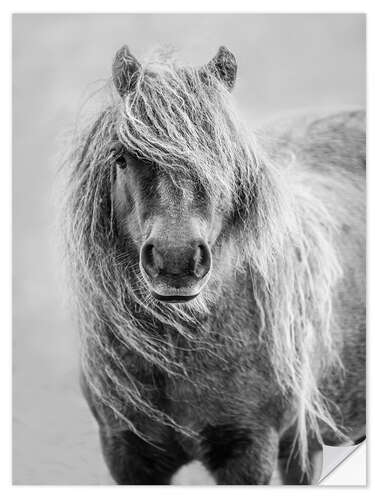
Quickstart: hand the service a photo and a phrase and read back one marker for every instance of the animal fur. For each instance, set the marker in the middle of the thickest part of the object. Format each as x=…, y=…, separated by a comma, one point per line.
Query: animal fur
x=275, y=342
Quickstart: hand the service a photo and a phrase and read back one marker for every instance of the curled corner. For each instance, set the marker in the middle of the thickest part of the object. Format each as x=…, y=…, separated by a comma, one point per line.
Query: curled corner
x=344, y=465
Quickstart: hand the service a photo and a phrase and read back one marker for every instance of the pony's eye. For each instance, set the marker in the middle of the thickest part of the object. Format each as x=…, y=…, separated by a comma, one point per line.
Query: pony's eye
x=118, y=156
x=121, y=162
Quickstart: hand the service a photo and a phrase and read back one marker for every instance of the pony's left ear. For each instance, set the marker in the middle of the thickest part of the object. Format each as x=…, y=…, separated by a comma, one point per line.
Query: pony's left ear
x=125, y=71
x=224, y=67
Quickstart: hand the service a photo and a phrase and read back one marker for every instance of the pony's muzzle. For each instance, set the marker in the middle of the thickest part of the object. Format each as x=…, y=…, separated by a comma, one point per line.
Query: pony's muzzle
x=175, y=273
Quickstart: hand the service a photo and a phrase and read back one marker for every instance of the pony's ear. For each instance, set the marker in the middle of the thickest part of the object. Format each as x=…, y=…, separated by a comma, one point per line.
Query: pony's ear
x=224, y=67
x=125, y=70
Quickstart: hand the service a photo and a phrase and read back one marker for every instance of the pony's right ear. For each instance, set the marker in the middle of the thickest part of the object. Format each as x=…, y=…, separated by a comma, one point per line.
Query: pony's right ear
x=125, y=71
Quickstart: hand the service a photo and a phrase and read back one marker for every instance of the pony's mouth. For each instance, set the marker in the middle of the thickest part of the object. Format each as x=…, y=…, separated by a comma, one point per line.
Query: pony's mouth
x=174, y=298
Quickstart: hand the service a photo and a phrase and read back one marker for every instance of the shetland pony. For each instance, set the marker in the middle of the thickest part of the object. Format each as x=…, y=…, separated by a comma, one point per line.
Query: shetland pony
x=219, y=278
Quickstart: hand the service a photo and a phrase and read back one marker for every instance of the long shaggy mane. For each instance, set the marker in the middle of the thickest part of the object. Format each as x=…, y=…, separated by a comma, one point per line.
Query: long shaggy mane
x=184, y=120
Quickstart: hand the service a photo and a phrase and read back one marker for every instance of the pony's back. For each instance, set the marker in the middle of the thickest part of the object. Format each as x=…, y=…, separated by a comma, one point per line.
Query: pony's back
x=328, y=154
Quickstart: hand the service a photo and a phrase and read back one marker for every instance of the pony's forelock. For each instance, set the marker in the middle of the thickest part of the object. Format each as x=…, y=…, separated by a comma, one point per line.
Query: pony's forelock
x=184, y=120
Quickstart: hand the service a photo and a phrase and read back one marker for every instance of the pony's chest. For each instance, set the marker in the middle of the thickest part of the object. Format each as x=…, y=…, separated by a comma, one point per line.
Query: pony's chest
x=218, y=385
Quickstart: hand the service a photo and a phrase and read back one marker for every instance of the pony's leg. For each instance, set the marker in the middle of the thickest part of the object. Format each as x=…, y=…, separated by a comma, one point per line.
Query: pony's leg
x=131, y=460
x=290, y=466
x=239, y=456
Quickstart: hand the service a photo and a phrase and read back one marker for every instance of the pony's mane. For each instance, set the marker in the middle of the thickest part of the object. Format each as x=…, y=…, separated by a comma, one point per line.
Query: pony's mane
x=183, y=119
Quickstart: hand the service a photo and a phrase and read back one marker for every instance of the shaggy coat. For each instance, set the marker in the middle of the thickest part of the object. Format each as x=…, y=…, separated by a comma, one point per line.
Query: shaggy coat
x=268, y=361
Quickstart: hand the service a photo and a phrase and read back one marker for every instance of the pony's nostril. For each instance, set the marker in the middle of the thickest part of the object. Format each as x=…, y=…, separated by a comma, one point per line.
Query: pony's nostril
x=202, y=261
x=151, y=260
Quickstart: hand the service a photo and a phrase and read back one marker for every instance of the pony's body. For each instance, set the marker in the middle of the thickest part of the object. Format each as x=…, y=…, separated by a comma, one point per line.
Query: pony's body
x=332, y=150
x=219, y=398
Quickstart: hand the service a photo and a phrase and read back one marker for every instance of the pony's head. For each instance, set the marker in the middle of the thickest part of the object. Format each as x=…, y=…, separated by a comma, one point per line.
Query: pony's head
x=175, y=169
